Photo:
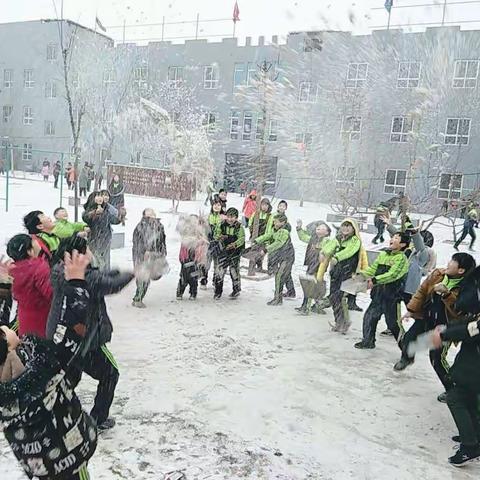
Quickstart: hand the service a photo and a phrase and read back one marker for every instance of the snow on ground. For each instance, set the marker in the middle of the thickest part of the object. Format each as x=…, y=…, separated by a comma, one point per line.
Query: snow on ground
x=237, y=389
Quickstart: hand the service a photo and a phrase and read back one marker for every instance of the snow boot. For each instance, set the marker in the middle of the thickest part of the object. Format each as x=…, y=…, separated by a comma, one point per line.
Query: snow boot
x=290, y=295
x=442, y=398
x=276, y=301
x=234, y=295
x=317, y=308
x=217, y=296
x=106, y=424
x=139, y=304
x=464, y=455
x=364, y=345
x=387, y=333
x=402, y=364
x=304, y=307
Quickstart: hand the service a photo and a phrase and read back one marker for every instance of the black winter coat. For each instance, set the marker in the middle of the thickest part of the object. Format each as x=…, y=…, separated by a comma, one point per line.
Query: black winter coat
x=100, y=225
x=117, y=194
x=100, y=283
x=50, y=434
x=149, y=236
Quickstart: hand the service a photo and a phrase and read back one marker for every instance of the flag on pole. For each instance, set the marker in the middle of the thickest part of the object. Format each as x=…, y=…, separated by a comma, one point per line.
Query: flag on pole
x=388, y=5
x=100, y=25
x=236, y=13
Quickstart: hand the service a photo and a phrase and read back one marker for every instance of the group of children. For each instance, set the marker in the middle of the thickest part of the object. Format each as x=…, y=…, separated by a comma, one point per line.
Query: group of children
x=70, y=327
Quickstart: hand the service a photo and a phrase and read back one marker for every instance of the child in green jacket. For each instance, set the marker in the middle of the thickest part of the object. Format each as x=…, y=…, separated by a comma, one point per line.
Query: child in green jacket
x=65, y=229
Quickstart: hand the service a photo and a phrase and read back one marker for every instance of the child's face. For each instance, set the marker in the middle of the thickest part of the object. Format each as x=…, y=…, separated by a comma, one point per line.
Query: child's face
x=396, y=243
x=61, y=214
x=217, y=207
x=150, y=213
x=278, y=224
x=99, y=199
x=231, y=219
x=264, y=207
x=346, y=229
x=453, y=270
x=46, y=223
x=223, y=195
x=321, y=231
x=12, y=339
x=282, y=208
x=106, y=198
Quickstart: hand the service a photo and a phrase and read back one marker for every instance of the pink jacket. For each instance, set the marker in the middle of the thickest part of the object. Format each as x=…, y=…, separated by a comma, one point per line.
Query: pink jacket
x=249, y=205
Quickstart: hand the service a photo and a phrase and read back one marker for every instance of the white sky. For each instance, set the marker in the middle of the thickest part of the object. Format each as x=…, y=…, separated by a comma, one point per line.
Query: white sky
x=258, y=17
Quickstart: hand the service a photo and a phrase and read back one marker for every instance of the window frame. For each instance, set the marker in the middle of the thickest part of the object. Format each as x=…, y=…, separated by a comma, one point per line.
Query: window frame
x=27, y=152
x=354, y=135
x=409, y=78
x=27, y=118
x=140, y=76
x=28, y=83
x=210, y=127
x=457, y=136
x=247, y=132
x=394, y=188
x=49, y=128
x=465, y=79
x=243, y=72
x=7, y=118
x=8, y=83
x=235, y=132
x=456, y=191
x=357, y=82
x=312, y=91
x=273, y=130
x=344, y=179
x=404, y=136
x=213, y=82
x=250, y=74
x=176, y=82
x=52, y=48
x=50, y=89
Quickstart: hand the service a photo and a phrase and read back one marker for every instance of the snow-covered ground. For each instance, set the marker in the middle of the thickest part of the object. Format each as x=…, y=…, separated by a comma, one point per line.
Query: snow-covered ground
x=234, y=390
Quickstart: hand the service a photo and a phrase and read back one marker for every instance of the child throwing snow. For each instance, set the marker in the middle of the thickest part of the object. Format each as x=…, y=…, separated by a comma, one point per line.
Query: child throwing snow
x=231, y=237
x=316, y=242
x=347, y=256
x=386, y=278
x=281, y=255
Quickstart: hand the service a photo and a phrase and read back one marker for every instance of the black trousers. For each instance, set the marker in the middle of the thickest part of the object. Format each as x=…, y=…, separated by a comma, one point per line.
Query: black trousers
x=83, y=191
x=380, y=231
x=381, y=305
x=55, y=183
x=438, y=358
x=188, y=277
x=101, y=366
x=221, y=265
x=463, y=405
x=467, y=231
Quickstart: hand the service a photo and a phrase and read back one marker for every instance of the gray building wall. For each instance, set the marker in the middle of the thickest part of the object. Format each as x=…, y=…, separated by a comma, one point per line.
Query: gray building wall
x=314, y=173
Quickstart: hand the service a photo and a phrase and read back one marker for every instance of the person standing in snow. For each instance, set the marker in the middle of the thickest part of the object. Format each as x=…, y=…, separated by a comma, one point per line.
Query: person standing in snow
x=64, y=228
x=83, y=180
x=221, y=197
x=57, y=170
x=116, y=190
x=210, y=190
x=471, y=222
x=31, y=286
x=265, y=224
x=282, y=208
x=249, y=207
x=214, y=219
x=281, y=255
x=99, y=363
x=149, y=245
x=231, y=237
x=99, y=215
x=42, y=229
x=45, y=170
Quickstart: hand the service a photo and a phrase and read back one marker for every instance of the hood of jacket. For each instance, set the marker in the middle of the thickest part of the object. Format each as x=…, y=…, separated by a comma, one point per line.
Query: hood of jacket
x=363, y=257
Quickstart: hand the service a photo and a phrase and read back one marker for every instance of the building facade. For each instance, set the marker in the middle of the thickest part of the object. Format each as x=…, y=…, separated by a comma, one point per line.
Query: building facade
x=334, y=114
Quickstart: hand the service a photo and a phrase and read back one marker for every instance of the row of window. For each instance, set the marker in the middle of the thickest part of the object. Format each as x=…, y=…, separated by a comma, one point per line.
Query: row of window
x=50, y=87
x=457, y=130
x=449, y=185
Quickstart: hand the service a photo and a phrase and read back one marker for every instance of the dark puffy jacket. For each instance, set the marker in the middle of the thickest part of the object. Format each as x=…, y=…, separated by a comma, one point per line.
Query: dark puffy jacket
x=149, y=236
x=100, y=225
x=43, y=421
x=100, y=283
x=117, y=194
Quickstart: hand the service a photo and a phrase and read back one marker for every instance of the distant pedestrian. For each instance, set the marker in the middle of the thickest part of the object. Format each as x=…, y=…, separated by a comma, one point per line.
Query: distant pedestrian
x=57, y=170
x=45, y=172
x=83, y=180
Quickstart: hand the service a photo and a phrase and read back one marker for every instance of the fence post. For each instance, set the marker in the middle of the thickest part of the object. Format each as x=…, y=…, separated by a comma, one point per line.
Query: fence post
x=61, y=180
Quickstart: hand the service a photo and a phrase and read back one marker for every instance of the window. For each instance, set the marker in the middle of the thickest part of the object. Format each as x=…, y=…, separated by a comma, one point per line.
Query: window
x=209, y=121
x=27, y=152
x=357, y=75
x=247, y=125
x=450, y=186
x=260, y=129
x=28, y=81
x=395, y=181
x=312, y=43
x=251, y=74
x=305, y=139
x=307, y=92
x=457, y=131
x=352, y=127
x=8, y=78
x=466, y=74
x=49, y=128
x=239, y=75
x=108, y=115
x=50, y=90
x=211, y=76
x=273, y=135
x=409, y=74
x=175, y=76
x=401, y=128
x=345, y=176
x=234, y=124
x=140, y=76
x=51, y=52
x=27, y=115
x=7, y=113
x=109, y=77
